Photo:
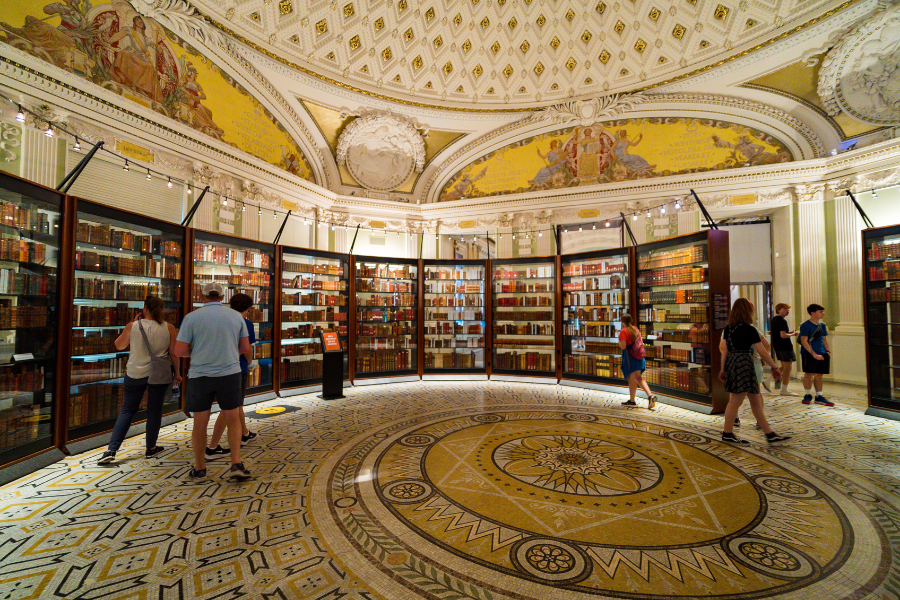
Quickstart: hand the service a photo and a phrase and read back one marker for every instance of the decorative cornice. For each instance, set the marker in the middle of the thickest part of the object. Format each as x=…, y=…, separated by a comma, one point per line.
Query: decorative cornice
x=586, y=112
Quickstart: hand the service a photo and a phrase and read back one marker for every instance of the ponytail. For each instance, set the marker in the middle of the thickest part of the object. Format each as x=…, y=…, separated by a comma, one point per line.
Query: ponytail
x=153, y=309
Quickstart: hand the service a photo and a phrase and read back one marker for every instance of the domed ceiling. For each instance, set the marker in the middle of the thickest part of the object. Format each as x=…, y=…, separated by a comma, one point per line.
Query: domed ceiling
x=492, y=54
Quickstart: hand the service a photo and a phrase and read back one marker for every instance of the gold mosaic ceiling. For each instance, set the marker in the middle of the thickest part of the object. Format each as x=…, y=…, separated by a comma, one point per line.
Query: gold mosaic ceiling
x=524, y=52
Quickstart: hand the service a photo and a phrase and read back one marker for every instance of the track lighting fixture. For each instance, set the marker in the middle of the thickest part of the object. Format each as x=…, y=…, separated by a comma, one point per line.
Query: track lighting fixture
x=125, y=168
x=20, y=116
x=77, y=144
x=607, y=223
x=169, y=183
x=148, y=175
x=49, y=131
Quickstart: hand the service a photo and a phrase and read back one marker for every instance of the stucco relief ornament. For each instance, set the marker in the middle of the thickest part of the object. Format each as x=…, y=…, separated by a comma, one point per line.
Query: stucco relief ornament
x=381, y=151
x=861, y=75
x=181, y=17
x=587, y=112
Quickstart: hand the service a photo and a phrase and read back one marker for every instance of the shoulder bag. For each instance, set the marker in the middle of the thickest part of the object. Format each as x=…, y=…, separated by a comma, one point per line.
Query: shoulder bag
x=160, y=368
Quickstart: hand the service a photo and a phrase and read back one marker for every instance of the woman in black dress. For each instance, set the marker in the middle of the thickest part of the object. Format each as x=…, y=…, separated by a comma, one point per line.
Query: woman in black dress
x=738, y=340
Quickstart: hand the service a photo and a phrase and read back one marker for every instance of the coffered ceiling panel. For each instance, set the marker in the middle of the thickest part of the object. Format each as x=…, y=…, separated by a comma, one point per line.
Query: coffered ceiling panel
x=496, y=52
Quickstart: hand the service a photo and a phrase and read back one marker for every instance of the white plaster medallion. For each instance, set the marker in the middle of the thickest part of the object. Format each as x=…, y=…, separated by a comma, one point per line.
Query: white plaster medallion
x=381, y=151
x=861, y=75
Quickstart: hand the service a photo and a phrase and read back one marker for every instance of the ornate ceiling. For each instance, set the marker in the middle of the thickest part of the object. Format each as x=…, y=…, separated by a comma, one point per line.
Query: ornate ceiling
x=493, y=53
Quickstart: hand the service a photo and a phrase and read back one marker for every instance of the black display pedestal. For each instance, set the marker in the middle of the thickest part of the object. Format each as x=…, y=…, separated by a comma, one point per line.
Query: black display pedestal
x=332, y=376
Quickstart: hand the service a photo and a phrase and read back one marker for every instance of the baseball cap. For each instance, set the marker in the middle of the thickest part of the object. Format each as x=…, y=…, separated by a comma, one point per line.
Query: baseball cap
x=213, y=290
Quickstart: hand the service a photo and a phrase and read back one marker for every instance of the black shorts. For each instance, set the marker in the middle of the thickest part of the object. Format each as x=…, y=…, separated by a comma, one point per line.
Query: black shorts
x=818, y=367
x=203, y=391
x=786, y=355
x=244, y=378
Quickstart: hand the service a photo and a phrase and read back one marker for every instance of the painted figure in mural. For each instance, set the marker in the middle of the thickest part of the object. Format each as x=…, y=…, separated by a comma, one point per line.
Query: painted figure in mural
x=754, y=154
x=44, y=41
x=555, y=159
x=464, y=187
x=636, y=167
x=135, y=63
x=196, y=115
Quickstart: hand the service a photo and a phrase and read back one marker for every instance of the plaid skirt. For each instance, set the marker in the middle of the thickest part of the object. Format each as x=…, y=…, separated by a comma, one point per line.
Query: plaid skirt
x=740, y=374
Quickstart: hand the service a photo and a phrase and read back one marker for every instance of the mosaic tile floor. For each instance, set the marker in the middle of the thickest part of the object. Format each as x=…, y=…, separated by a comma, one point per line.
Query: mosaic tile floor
x=479, y=490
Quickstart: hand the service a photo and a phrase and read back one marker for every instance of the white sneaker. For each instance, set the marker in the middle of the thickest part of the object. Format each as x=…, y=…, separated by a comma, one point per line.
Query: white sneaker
x=765, y=384
x=787, y=392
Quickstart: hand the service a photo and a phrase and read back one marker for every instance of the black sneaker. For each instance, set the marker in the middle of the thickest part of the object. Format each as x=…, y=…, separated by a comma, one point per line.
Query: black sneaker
x=737, y=422
x=247, y=438
x=774, y=437
x=197, y=474
x=153, y=451
x=216, y=453
x=237, y=472
x=629, y=403
x=106, y=458
x=733, y=439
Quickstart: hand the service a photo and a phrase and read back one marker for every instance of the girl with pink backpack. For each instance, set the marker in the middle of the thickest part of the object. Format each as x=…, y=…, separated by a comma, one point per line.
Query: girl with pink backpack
x=633, y=361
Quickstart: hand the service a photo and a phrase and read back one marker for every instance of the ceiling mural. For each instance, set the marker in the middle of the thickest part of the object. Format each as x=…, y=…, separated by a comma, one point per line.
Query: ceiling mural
x=113, y=46
x=613, y=151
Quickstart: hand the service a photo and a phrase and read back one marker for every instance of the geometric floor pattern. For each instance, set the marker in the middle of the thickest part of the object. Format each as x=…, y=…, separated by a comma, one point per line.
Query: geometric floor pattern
x=477, y=490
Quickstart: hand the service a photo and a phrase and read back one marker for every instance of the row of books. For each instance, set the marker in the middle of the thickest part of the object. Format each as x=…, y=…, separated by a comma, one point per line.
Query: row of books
x=884, y=250
x=520, y=287
x=383, y=360
x=523, y=361
x=94, y=288
x=612, y=282
x=25, y=217
x=694, y=379
x=316, y=299
x=108, y=316
x=466, y=273
x=595, y=366
x=258, y=374
x=94, y=342
x=469, y=300
x=524, y=344
x=453, y=288
x=597, y=313
x=523, y=315
x=674, y=297
x=100, y=402
x=471, y=342
x=23, y=250
x=887, y=271
x=397, y=300
x=22, y=317
x=696, y=335
x=231, y=256
x=454, y=360
x=386, y=271
x=402, y=314
x=318, y=269
x=594, y=299
x=597, y=268
x=86, y=260
x=669, y=258
x=529, y=329
x=18, y=379
x=305, y=283
x=259, y=295
x=672, y=276
x=98, y=370
x=584, y=330
x=20, y=425
x=260, y=278
x=24, y=282
x=301, y=349
x=308, y=331
x=298, y=370
x=379, y=285
x=262, y=351
x=312, y=316
x=524, y=301
x=589, y=347
x=453, y=315
x=888, y=294
x=395, y=328
x=104, y=235
x=529, y=273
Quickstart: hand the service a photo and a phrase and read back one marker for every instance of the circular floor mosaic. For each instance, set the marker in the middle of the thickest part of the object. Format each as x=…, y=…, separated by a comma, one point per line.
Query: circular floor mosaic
x=514, y=502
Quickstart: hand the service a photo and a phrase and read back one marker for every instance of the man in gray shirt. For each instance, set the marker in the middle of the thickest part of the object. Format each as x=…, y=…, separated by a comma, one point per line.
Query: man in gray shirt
x=214, y=337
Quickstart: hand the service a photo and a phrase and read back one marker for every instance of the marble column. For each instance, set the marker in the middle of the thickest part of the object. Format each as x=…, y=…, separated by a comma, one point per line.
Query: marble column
x=811, y=221
x=849, y=354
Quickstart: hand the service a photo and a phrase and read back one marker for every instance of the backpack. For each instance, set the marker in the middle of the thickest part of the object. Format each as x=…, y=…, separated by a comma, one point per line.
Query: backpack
x=638, y=352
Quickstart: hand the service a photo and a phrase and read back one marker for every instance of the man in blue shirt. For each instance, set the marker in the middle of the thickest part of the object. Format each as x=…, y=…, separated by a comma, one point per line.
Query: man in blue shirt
x=241, y=303
x=815, y=355
x=213, y=337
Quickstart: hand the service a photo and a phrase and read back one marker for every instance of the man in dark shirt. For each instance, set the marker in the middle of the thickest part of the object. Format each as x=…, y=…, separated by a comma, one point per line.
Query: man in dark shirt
x=782, y=346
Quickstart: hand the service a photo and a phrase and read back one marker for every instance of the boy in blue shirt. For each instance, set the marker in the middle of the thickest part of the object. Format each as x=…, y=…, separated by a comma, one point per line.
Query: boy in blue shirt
x=815, y=354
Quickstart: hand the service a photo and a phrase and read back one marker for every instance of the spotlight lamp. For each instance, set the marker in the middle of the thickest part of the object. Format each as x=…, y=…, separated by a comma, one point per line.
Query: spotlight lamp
x=649, y=216
x=258, y=211
x=607, y=223
x=594, y=226
x=662, y=210
x=20, y=116
x=677, y=205
x=274, y=215
x=874, y=194
x=49, y=131
x=77, y=144
x=189, y=190
x=634, y=217
x=148, y=175
x=243, y=207
x=169, y=183
x=540, y=234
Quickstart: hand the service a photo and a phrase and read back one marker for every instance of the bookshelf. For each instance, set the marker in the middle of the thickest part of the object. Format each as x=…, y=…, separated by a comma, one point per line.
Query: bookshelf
x=455, y=320
x=246, y=267
x=385, y=320
x=881, y=293
x=30, y=242
x=314, y=296
x=524, y=335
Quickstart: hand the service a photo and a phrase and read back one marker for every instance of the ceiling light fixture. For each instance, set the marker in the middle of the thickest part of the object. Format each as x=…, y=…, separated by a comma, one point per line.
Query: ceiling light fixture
x=20, y=116
x=594, y=226
x=49, y=131
x=677, y=205
x=148, y=175
x=189, y=190
x=77, y=145
x=258, y=211
x=274, y=215
x=607, y=223
x=634, y=218
x=169, y=183
x=874, y=194
x=662, y=210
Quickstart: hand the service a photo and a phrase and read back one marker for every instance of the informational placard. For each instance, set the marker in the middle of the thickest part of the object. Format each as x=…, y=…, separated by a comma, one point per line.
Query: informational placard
x=331, y=342
x=721, y=309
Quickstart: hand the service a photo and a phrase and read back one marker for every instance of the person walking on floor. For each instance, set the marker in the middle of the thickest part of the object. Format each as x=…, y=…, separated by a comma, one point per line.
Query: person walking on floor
x=214, y=337
x=241, y=303
x=815, y=355
x=151, y=364
x=633, y=367
x=738, y=339
x=783, y=346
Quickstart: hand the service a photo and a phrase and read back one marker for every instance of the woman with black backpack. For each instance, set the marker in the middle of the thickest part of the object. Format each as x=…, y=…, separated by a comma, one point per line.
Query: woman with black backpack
x=633, y=362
